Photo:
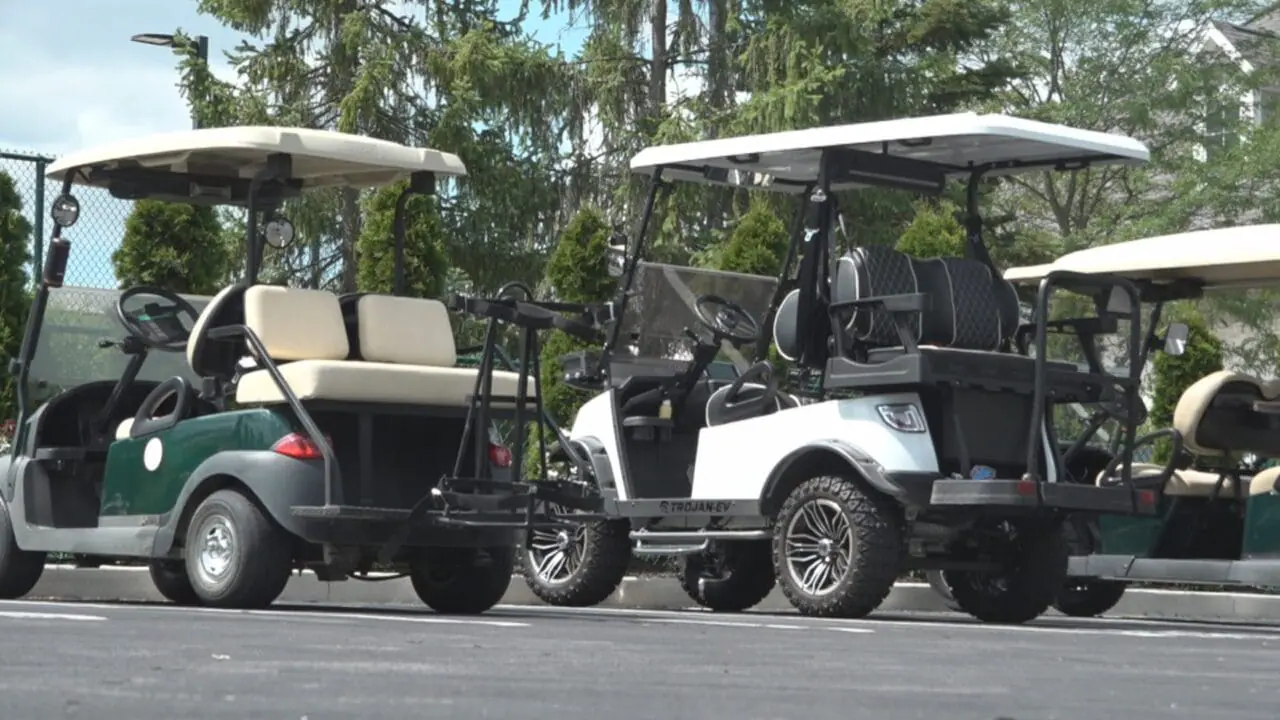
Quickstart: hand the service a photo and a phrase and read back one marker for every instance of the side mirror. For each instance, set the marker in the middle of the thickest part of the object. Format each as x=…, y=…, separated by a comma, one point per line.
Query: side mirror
x=1175, y=339
x=278, y=233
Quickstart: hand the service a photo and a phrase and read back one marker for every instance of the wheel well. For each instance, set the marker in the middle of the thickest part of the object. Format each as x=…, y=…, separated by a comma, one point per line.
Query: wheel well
x=211, y=485
x=814, y=462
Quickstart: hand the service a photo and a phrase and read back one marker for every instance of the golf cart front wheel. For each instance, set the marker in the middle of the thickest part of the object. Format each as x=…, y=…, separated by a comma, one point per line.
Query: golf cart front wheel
x=171, y=581
x=837, y=547
x=20, y=569
x=236, y=556
x=577, y=567
x=462, y=581
x=1035, y=557
x=730, y=577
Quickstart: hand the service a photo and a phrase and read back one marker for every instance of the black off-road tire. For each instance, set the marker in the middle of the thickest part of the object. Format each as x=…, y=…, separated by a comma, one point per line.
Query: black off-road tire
x=20, y=569
x=1036, y=573
x=171, y=581
x=748, y=576
x=462, y=581
x=1088, y=598
x=606, y=557
x=878, y=548
x=261, y=553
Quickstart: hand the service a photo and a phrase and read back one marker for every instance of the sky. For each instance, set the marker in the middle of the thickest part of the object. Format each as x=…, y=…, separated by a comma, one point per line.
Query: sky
x=71, y=79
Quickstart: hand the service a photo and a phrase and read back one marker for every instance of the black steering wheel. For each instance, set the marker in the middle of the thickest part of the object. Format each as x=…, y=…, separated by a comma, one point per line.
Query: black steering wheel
x=157, y=325
x=726, y=320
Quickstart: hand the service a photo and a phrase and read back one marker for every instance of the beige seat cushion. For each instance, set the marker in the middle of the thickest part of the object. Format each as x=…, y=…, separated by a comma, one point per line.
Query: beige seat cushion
x=1264, y=483
x=362, y=381
x=405, y=331
x=122, y=430
x=1188, y=483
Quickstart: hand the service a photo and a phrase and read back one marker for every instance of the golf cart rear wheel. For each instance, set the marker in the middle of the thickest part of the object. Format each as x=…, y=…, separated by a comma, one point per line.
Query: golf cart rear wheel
x=579, y=567
x=729, y=577
x=236, y=556
x=1088, y=598
x=171, y=581
x=20, y=569
x=462, y=581
x=837, y=547
x=1035, y=572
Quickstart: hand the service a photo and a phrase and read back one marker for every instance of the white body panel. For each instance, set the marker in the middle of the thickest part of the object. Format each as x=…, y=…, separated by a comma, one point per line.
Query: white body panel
x=596, y=420
x=734, y=460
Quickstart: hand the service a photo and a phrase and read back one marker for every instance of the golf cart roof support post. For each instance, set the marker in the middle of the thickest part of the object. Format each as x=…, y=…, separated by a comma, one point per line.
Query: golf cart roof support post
x=420, y=183
x=656, y=185
x=278, y=167
x=35, y=320
x=813, y=274
x=975, y=247
x=784, y=273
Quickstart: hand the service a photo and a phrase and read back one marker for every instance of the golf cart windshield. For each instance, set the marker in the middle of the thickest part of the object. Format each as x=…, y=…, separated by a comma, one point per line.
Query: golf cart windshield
x=69, y=352
x=665, y=296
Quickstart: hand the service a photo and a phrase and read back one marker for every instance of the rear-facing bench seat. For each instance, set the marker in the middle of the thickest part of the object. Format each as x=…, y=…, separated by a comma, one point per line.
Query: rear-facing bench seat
x=1216, y=417
x=407, y=352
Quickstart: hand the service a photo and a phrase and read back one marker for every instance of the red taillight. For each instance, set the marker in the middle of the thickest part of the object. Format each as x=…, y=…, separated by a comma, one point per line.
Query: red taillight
x=499, y=456
x=1026, y=488
x=297, y=446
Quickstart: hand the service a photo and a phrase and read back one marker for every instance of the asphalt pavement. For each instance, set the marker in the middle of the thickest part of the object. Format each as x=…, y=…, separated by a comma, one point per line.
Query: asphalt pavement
x=135, y=662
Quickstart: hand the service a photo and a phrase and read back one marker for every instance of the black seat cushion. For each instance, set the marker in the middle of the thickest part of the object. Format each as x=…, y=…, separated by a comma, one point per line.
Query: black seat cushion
x=970, y=307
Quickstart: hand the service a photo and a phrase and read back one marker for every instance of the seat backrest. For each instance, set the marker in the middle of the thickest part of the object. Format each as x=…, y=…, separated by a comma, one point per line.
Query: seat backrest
x=970, y=307
x=1215, y=416
x=296, y=323
x=406, y=331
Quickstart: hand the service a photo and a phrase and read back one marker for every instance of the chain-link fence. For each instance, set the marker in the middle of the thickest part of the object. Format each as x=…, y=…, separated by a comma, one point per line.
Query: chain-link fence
x=94, y=238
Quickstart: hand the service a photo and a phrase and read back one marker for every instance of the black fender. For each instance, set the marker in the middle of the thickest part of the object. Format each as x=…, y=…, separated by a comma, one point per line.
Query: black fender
x=598, y=456
x=277, y=482
x=857, y=459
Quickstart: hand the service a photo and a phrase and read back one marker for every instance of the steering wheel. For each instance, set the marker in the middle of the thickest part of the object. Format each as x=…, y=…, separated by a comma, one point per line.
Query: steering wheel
x=157, y=325
x=726, y=320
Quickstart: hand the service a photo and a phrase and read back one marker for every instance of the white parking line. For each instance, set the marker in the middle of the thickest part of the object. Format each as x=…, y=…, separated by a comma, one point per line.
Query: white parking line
x=318, y=613
x=20, y=615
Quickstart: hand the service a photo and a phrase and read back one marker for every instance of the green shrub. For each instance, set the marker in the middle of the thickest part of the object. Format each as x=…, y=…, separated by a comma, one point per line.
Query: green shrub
x=1174, y=374
x=425, y=263
x=933, y=232
x=175, y=246
x=15, y=241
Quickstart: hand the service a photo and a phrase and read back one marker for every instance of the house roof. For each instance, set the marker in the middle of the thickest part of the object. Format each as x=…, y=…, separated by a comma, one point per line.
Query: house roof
x=1256, y=42
x=1267, y=21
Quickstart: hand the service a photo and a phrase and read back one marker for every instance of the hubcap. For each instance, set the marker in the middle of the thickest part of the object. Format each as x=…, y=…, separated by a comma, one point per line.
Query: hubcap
x=557, y=554
x=819, y=546
x=217, y=549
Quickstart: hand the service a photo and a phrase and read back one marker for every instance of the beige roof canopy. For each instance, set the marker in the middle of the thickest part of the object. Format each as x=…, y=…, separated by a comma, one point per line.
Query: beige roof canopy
x=955, y=143
x=320, y=157
x=1232, y=257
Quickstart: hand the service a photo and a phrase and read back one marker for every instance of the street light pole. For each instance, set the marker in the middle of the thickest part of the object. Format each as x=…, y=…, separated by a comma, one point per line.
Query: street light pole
x=165, y=40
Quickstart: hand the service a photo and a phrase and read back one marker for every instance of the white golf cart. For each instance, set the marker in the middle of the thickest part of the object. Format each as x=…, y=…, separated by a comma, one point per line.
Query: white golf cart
x=1217, y=522
x=929, y=446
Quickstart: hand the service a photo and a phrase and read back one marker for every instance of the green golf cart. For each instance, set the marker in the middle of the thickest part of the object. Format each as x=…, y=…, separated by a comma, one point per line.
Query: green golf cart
x=1219, y=514
x=231, y=440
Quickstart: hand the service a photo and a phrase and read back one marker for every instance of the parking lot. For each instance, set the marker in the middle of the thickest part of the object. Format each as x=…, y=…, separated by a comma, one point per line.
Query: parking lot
x=107, y=661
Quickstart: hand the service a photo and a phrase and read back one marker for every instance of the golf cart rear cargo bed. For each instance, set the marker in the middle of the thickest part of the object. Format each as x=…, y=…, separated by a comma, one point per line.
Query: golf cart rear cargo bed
x=1057, y=496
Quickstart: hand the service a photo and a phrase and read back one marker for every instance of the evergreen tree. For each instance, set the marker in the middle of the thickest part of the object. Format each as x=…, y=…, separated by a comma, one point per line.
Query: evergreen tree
x=933, y=232
x=15, y=299
x=175, y=246
x=1173, y=374
x=425, y=265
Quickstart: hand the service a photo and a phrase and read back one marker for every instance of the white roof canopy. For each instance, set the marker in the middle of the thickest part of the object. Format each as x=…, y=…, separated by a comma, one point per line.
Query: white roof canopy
x=320, y=158
x=942, y=146
x=1239, y=257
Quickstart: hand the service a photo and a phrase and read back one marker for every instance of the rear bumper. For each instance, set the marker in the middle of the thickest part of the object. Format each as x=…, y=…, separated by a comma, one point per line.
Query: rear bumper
x=1031, y=495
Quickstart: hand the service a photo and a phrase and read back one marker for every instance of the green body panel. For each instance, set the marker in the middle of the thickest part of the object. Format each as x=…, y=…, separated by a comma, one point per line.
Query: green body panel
x=1123, y=535
x=128, y=488
x=1262, y=526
